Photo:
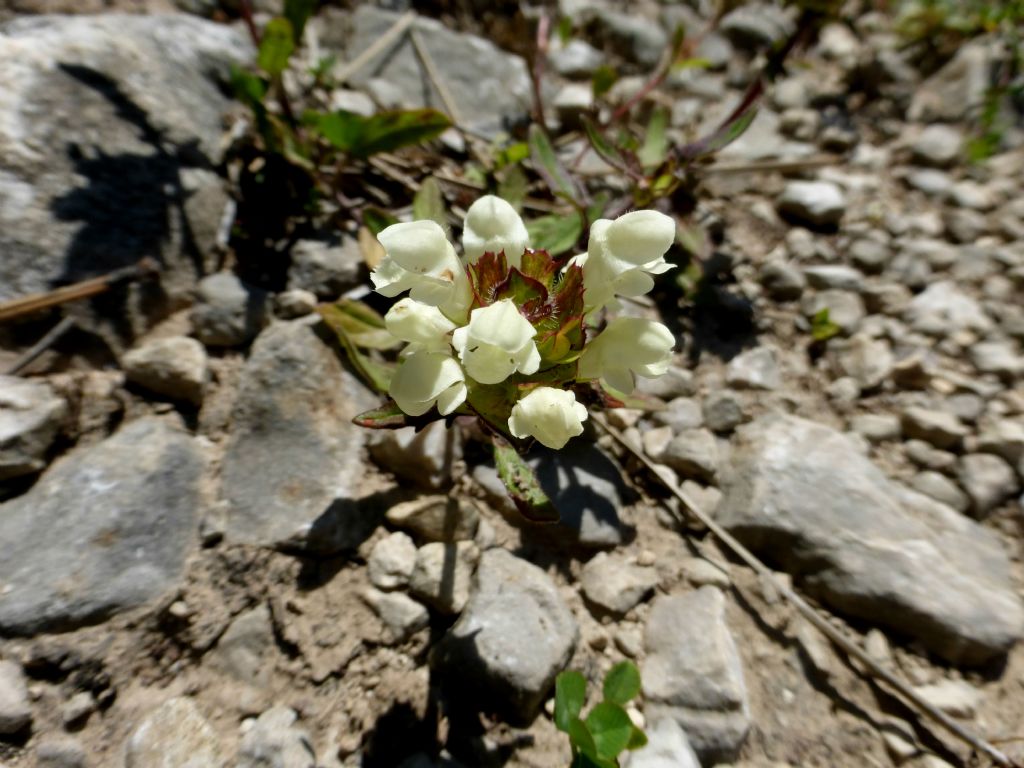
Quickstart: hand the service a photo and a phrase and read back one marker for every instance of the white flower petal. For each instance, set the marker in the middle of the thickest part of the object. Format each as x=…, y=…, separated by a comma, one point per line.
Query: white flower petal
x=640, y=236
x=629, y=345
x=492, y=224
x=550, y=415
x=501, y=324
x=421, y=379
x=389, y=279
x=420, y=247
x=497, y=342
x=488, y=364
x=414, y=321
x=451, y=398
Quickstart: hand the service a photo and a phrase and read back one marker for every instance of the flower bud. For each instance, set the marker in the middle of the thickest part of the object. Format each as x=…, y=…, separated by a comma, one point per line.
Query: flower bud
x=493, y=225
x=550, y=415
x=497, y=342
x=628, y=346
x=426, y=378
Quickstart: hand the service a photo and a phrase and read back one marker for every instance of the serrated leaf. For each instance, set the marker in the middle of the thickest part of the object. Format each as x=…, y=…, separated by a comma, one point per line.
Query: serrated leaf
x=622, y=682
x=362, y=136
x=555, y=234
x=610, y=728
x=608, y=151
x=276, y=46
x=298, y=12
x=546, y=163
x=428, y=204
x=655, y=146
x=539, y=265
x=522, y=484
x=570, y=695
x=485, y=277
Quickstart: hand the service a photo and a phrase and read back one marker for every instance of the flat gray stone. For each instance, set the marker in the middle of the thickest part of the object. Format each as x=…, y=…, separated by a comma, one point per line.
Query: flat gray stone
x=391, y=561
x=436, y=518
x=693, y=453
x=443, y=574
x=228, y=312
x=30, y=417
x=107, y=528
x=424, y=458
x=754, y=369
x=845, y=308
x=514, y=636
x=402, y=615
x=294, y=459
x=943, y=308
x=274, y=741
x=491, y=87
x=614, y=585
x=939, y=428
x=108, y=114
x=245, y=650
x=988, y=480
x=15, y=710
x=175, y=367
x=804, y=497
x=326, y=268
x=815, y=203
x=667, y=747
x=693, y=673
x=938, y=145
x=175, y=734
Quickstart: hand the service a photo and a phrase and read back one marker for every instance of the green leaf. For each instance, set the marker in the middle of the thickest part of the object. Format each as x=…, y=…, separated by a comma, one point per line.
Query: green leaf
x=383, y=132
x=681, y=64
x=581, y=738
x=428, y=204
x=655, y=146
x=546, y=164
x=565, y=29
x=622, y=682
x=388, y=416
x=637, y=739
x=522, y=485
x=555, y=233
x=721, y=137
x=608, y=151
x=276, y=46
x=298, y=12
x=570, y=695
x=511, y=155
x=822, y=328
x=611, y=729
x=602, y=80
x=512, y=186
x=356, y=327
x=249, y=89
x=377, y=219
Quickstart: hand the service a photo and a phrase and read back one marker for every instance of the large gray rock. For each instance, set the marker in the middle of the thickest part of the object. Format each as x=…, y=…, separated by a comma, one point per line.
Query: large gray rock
x=106, y=529
x=491, y=88
x=693, y=672
x=667, y=747
x=30, y=416
x=293, y=461
x=514, y=636
x=110, y=122
x=175, y=735
x=228, y=312
x=804, y=497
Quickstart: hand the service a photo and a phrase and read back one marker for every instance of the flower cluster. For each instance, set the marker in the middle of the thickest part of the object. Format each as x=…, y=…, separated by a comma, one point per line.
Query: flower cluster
x=502, y=332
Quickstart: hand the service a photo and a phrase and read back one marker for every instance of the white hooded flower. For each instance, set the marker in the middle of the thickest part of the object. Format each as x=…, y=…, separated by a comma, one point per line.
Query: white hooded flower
x=423, y=326
x=623, y=254
x=550, y=415
x=628, y=346
x=497, y=342
x=419, y=259
x=493, y=225
x=426, y=378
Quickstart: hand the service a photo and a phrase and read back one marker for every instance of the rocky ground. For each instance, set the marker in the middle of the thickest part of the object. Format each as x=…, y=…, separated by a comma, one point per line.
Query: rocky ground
x=204, y=563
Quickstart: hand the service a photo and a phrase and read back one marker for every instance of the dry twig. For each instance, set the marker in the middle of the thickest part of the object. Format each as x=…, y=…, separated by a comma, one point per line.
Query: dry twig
x=815, y=617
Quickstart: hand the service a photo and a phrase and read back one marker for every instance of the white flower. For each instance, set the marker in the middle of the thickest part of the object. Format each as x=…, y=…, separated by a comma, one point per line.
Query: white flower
x=419, y=259
x=628, y=346
x=422, y=325
x=426, y=378
x=623, y=254
x=548, y=414
x=497, y=342
x=493, y=225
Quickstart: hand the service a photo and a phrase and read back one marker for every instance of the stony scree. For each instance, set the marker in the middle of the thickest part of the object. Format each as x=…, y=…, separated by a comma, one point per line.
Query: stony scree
x=443, y=573
x=425, y=457
x=110, y=113
x=325, y=268
x=514, y=636
x=436, y=518
x=614, y=585
x=804, y=496
x=175, y=367
x=491, y=87
x=988, y=481
x=293, y=460
x=815, y=203
x=15, y=710
x=177, y=734
x=107, y=528
x=667, y=747
x=693, y=673
x=274, y=741
x=754, y=369
x=228, y=312
x=392, y=561
x=401, y=615
x=31, y=414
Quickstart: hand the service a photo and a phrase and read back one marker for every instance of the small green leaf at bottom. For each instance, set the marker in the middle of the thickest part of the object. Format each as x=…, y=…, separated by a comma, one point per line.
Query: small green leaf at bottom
x=522, y=484
x=622, y=682
x=611, y=729
x=570, y=695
